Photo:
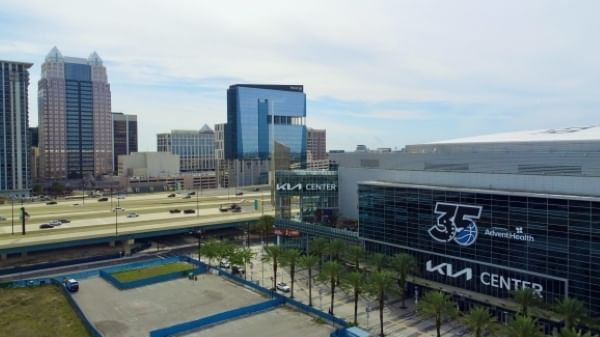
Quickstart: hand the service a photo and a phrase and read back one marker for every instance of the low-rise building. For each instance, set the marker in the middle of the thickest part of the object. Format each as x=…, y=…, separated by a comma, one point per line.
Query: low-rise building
x=149, y=164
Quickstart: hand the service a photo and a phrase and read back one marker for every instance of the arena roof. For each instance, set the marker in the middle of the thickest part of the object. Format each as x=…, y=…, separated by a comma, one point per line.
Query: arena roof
x=584, y=133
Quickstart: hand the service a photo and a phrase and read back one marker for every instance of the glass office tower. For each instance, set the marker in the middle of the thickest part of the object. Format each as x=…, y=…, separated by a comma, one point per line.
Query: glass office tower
x=14, y=140
x=125, y=138
x=258, y=116
x=75, y=119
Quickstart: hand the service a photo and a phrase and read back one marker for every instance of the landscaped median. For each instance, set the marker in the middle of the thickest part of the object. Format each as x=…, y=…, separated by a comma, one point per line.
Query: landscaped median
x=133, y=278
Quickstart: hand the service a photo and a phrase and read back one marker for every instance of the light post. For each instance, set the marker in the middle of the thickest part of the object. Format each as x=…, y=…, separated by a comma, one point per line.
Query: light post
x=116, y=210
x=197, y=205
x=13, y=215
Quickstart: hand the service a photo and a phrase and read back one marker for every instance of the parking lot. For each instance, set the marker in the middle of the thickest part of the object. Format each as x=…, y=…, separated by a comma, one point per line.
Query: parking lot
x=138, y=311
x=282, y=321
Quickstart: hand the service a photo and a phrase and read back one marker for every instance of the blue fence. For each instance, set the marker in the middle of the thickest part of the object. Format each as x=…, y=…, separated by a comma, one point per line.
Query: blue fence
x=38, y=266
x=216, y=319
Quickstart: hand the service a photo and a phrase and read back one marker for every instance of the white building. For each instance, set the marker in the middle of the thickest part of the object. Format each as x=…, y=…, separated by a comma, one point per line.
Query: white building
x=149, y=164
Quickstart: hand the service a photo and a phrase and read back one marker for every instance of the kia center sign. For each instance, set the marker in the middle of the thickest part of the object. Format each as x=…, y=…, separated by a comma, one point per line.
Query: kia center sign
x=305, y=187
x=489, y=279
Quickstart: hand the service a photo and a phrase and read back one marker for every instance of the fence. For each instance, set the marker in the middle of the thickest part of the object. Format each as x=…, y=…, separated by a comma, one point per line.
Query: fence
x=88, y=326
x=106, y=274
x=216, y=319
x=45, y=265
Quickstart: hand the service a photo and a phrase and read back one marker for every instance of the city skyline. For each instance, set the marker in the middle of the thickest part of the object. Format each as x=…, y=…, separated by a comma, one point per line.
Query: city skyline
x=413, y=73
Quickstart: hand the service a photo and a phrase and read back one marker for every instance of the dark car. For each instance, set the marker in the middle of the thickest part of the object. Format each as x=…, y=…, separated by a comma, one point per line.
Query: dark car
x=187, y=197
x=174, y=211
x=103, y=199
x=64, y=220
x=236, y=210
x=256, y=189
x=189, y=211
x=239, y=193
x=234, y=207
x=172, y=195
x=192, y=193
x=51, y=203
x=223, y=209
x=46, y=226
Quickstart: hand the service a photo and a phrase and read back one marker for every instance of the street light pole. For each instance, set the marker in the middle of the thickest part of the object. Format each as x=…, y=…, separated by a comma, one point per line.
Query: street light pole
x=116, y=218
x=13, y=215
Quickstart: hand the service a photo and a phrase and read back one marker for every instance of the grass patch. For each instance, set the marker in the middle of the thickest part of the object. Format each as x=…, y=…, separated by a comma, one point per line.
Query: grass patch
x=40, y=311
x=143, y=273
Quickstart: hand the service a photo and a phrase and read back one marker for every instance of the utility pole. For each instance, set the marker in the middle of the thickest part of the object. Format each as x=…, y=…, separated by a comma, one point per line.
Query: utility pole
x=13, y=214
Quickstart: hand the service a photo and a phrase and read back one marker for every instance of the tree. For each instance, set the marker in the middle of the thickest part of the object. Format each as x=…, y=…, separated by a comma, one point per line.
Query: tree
x=438, y=306
x=379, y=284
x=356, y=253
x=330, y=272
x=480, y=322
x=523, y=326
x=273, y=255
x=264, y=225
x=318, y=247
x=241, y=257
x=289, y=257
x=377, y=260
x=571, y=310
x=209, y=250
x=404, y=264
x=224, y=251
x=571, y=332
x=354, y=282
x=526, y=298
x=335, y=249
x=309, y=262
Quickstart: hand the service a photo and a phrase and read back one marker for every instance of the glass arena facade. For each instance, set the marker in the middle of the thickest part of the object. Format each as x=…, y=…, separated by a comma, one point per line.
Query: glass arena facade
x=486, y=241
x=487, y=215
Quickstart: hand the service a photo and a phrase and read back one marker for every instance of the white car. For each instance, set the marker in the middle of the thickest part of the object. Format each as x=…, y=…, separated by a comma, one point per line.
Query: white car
x=132, y=215
x=55, y=223
x=225, y=264
x=283, y=287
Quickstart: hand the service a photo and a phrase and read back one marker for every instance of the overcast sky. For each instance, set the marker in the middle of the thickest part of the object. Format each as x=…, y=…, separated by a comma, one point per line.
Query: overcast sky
x=380, y=73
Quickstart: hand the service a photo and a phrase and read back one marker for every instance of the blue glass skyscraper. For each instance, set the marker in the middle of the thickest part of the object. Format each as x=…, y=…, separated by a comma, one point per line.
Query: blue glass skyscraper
x=258, y=116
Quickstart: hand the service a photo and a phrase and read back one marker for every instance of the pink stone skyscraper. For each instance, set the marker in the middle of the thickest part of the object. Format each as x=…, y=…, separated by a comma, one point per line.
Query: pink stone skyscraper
x=75, y=119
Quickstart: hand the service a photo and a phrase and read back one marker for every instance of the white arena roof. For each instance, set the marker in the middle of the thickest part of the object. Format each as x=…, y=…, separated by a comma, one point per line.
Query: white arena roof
x=584, y=133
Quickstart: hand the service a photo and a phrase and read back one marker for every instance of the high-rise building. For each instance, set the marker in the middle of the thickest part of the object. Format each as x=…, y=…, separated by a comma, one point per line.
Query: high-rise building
x=316, y=144
x=220, y=141
x=14, y=139
x=125, y=136
x=258, y=116
x=75, y=119
x=196, y=148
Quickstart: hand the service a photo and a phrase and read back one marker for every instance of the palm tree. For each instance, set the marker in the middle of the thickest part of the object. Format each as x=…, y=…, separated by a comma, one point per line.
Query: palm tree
x=330, y=272
x=438, y=306
x=404, y=264
x=264, y=225
x=378, y=260
x=379, y=284
x=273, y=254
x=523, y=326
x=566, y=332
x=571, y=310
x=356, y=254
x=480, y=322
x=526, y=298
x=335, y=249
x=209, y=250
x=309, y=262
x=289, y=257
x=246, y=255
x=318, y=247
x=355, y=282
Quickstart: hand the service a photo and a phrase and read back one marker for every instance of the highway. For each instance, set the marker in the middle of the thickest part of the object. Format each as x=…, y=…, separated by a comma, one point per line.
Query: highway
x=94, y=219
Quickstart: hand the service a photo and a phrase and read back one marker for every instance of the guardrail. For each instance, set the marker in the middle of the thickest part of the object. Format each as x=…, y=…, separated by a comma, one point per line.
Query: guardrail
x=45, y=265
x=217, y=318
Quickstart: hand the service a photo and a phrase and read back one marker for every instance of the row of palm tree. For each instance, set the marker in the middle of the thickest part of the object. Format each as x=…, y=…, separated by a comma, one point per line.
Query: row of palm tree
x=222, y=251
x=439, y=306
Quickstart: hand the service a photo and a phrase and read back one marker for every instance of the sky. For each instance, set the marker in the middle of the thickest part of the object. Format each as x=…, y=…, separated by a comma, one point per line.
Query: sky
x=379, y=73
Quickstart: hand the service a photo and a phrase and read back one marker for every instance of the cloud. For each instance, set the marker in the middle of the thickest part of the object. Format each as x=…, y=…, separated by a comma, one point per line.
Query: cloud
x=419, y=66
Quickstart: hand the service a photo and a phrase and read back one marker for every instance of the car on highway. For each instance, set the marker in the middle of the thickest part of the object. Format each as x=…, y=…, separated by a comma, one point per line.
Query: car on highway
x=2, y=218
x=132, y=215
x=239, y=193
x=121, y=197
x=281, y=286
x=46, y=226
x=118, y=209
x=76, y=205
x=223, y=209
x=235, y=207
x=256, y=189
x=51, y=203
x=192, y=193
x=187, y=197
x=103, y=199
x=189, y=211
x=64, y=220
x=172, y=195
x=55, y=223
x=173, y=211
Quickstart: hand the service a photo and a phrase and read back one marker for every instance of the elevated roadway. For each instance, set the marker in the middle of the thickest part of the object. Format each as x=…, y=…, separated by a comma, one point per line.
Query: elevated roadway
x=93, y=221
